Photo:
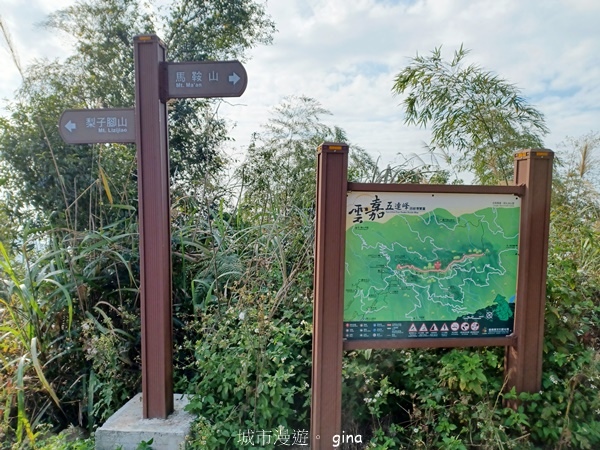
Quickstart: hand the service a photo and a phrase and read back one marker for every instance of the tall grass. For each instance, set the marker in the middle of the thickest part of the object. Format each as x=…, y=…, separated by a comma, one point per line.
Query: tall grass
x=56, y=282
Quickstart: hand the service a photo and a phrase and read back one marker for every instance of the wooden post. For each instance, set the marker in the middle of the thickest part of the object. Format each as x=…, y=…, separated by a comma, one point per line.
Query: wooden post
x=330, y=242
x=154, y=229
x=523, y=367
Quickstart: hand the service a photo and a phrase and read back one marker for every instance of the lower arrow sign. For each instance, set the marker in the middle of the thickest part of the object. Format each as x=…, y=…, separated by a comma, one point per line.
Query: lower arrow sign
x=95, y=126
x=70, y=126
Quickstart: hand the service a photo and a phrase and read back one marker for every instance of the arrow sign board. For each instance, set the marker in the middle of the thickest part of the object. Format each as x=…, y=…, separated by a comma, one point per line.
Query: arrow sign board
x=95, y=126
x=205, y=79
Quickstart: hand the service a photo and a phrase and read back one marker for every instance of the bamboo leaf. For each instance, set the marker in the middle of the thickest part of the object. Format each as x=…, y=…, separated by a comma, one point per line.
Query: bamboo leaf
x=105, y=184
x=22, y=421
x=40, y=372
x=67, y=298
x=90, y=400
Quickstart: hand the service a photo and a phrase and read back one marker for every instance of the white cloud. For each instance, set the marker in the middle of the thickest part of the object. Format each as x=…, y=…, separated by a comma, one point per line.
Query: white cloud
x=346, y=53
x=30, y=40
x=547, y=48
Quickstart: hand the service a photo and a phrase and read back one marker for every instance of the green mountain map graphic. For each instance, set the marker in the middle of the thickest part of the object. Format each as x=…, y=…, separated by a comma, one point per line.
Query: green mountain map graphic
x=432, y=266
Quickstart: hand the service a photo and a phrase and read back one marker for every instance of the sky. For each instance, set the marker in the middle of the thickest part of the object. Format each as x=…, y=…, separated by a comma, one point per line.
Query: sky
x=346, y=54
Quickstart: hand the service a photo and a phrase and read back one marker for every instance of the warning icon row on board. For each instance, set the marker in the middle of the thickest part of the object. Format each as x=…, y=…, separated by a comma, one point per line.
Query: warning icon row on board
x=455, y=326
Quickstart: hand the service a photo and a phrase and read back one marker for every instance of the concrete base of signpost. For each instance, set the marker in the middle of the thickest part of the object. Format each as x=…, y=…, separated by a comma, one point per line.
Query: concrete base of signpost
x=126, y=428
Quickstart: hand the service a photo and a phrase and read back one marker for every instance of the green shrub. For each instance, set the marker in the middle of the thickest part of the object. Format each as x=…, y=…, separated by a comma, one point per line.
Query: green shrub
x=253, y=370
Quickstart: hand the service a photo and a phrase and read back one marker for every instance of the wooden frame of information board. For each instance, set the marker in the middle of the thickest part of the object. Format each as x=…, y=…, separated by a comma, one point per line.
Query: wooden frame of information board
x=532, y=183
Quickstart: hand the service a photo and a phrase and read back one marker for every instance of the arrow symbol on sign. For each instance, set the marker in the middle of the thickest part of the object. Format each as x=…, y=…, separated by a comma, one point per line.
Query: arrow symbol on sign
x=70, y=126
x=234, y=78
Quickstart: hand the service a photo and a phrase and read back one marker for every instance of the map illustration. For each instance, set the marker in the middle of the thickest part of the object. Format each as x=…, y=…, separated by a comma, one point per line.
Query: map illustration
x=430, y=265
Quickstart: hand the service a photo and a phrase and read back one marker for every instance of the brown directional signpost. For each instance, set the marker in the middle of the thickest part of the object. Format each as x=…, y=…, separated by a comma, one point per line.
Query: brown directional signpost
x=156, y=81
x=204, y=79
x=425, y=266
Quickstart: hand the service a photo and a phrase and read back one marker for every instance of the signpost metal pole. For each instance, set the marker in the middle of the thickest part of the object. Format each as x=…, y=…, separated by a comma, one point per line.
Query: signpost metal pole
x=330, y=239
x=533, y=169
x=154, y=229
x=156, y=81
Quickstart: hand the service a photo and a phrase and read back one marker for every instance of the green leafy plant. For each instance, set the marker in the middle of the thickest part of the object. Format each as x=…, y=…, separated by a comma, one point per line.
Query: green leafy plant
x=477, y=119
x=251, y=359
x=53, y=317
x=29, y=308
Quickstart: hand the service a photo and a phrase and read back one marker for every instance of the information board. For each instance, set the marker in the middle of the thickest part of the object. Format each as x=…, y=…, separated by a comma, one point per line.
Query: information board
x=430, y=265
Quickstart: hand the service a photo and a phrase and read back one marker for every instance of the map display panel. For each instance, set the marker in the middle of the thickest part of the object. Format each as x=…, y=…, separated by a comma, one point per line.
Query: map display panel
x=430, y=265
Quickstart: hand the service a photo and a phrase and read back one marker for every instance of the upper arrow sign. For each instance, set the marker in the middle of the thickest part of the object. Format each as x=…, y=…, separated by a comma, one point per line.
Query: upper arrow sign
x=204, y=79
x=95, y=126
